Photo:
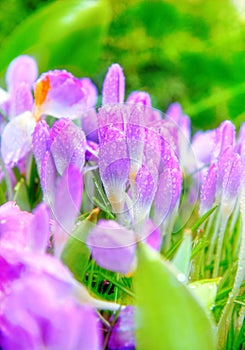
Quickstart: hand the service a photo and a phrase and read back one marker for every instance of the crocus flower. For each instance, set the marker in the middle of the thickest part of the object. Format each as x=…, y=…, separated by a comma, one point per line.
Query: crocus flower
x=113, y=246
x=20, y=75
x=38, y=306
x=208, y=190
x=123, y=332
x=24, y=230
x=57, y=93
x=60, y=94
x=60, y=157
x=113, y=92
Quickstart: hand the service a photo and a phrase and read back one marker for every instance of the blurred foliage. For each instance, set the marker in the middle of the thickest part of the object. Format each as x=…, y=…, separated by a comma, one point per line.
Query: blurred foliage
x=191, y=52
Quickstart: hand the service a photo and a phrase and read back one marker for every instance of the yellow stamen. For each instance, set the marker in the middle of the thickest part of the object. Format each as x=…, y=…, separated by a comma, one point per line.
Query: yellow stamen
x=41, y=91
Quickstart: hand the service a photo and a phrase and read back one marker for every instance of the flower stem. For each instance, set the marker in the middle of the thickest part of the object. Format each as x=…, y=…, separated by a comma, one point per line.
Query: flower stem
x=10, y=191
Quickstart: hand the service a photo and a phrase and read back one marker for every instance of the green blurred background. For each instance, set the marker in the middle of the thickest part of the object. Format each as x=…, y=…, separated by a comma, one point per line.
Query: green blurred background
x=190, y=51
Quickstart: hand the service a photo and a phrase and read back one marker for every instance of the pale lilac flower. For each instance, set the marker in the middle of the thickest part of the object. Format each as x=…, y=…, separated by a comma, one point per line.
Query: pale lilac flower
x=113, y=246
x=38, y=307
x=20, y=75
x=23, y=230
x=17, y=138
x=60, y=94
x=64, y=141
x=202, y=146
x=17, y=105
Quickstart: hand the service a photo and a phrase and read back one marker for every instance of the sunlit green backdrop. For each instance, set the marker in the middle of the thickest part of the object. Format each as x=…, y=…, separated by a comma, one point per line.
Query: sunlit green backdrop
x=190, y=51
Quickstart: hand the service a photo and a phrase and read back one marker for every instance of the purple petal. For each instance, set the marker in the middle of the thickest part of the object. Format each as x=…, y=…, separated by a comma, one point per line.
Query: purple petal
x=139, y=97
x=92, y=93
x=40, y=311
x=145, y=188
x=14, y=225
x=39, y=229
x=208, y=190
x=224, y=162
x=224, y=138
x=232, y=180
x=17, y=138
x=90, y=124
x=60, y=94
x=40, y=142
x=92, y=150
x=23, y=69
x=21, y=100
x=110, y=118
x=163, y=197
x=113, y=246
x=68, y=198
x=114, y=85
x=114, y=165
x=202, y=146
x=174, y=112
x=169, y=187
x=48, y=179
x=152, y=234
x=68, y=145
x=123, y=333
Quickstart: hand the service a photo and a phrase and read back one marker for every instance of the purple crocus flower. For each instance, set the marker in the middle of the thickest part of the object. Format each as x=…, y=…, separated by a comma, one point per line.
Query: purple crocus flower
x=65, y=141
x=38, y=307
x=60, y=157
x=60, y=94
x=24, y=230
x=123, y=332
x=114, y=92
x=114, y=86
x=16, y=138
x=208, y=190
x=224, y=138
x=113, y=246
x=20, y=75
x=231, y=183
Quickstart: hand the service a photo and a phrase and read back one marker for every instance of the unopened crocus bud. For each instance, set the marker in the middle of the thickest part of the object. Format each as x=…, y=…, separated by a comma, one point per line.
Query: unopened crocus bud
x=114, y=85
x=208, y=190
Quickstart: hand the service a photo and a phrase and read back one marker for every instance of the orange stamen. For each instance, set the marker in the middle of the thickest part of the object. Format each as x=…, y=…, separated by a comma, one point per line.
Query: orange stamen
x=41, y=91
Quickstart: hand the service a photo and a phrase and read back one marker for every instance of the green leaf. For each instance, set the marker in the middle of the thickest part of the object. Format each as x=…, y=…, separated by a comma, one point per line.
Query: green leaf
x=21, y=195
x=182, y=259
x=205, y=290
x=62, y=34
x=167, y=314
x=75, y=254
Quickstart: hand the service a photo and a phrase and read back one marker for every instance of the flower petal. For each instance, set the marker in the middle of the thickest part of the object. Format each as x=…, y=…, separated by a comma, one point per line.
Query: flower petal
x=17, y=138
x=39, y=229
x=113, y=246
x=114, y=85
x=40, y=142
x=68, y=145
x=23, y=69
x=60, y=94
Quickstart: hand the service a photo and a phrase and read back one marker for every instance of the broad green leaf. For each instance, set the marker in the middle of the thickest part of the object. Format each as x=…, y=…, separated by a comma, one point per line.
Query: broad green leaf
x=168, y=316
x=75, y=254
x=205, y=290
x=21, y=195
x=62, y=34
x=182, y=258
